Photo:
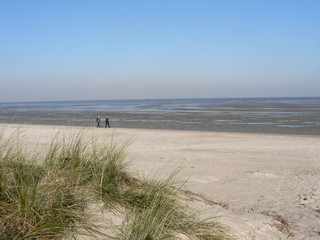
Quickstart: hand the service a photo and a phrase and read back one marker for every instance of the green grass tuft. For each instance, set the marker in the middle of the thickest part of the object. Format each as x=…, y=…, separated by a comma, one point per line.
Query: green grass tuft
x=46, y=197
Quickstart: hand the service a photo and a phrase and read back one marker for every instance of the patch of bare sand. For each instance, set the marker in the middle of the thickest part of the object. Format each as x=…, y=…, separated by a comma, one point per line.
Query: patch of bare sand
x=264, y=186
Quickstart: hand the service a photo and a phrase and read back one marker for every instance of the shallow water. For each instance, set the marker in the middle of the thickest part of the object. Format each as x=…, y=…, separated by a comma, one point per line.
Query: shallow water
x=260, y=115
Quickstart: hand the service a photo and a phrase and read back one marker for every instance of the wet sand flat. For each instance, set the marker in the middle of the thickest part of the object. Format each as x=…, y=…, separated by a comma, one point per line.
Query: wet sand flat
x=265, y=186
x=247, y=115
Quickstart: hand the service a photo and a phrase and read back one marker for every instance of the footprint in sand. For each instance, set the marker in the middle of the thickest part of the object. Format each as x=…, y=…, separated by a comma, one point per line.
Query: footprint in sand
x=264, y=175
x=204, y=180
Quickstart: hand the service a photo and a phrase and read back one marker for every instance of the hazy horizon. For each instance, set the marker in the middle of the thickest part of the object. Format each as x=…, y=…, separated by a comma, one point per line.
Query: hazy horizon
x=117, y=50
x=150, y=99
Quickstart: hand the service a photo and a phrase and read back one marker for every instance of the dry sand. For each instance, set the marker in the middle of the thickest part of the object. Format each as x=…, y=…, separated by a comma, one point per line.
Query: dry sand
x=264, y=186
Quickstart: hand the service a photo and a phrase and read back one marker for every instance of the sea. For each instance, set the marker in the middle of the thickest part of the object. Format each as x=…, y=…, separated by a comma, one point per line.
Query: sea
x=252, y=115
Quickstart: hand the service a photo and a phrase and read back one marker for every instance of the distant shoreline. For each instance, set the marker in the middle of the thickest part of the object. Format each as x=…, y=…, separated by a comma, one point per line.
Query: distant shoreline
x=293, y=116
x=155, y=129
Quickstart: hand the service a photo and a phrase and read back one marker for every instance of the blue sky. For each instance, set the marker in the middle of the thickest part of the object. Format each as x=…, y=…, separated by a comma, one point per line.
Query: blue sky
x=125, y=49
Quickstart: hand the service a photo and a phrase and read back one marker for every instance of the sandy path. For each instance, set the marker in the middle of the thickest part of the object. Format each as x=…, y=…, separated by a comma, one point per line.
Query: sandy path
x=268, y=185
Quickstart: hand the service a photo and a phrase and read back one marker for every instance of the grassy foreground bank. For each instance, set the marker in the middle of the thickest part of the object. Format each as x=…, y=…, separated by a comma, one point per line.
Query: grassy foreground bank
x=45, y=195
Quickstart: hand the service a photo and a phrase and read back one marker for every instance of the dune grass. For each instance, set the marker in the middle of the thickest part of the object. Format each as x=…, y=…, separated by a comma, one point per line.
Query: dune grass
x=36, y=202
x=45, y=196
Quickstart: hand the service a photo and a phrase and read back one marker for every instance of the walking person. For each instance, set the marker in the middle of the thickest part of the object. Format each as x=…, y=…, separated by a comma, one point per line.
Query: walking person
x=98, y=121
x=107, y=122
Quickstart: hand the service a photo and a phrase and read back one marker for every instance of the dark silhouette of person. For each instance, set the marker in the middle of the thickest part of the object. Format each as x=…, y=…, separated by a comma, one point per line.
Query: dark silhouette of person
x=98, y=121
x=107, y=122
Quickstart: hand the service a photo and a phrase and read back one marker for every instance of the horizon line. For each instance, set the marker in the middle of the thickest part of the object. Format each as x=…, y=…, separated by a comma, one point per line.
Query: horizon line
x=144, y=99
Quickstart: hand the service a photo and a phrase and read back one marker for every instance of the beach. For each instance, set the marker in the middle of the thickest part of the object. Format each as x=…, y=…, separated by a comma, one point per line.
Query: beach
x=263, y=186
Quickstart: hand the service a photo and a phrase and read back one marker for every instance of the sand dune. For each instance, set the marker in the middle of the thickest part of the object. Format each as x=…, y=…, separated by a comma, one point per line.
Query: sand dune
x=264, y=186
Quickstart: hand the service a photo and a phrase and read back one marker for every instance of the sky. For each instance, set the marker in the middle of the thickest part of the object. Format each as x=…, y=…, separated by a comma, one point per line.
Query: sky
x=138, y=49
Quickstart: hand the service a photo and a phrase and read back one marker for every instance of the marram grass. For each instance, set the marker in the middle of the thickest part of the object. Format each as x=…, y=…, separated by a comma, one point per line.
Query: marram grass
x=45, y=196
